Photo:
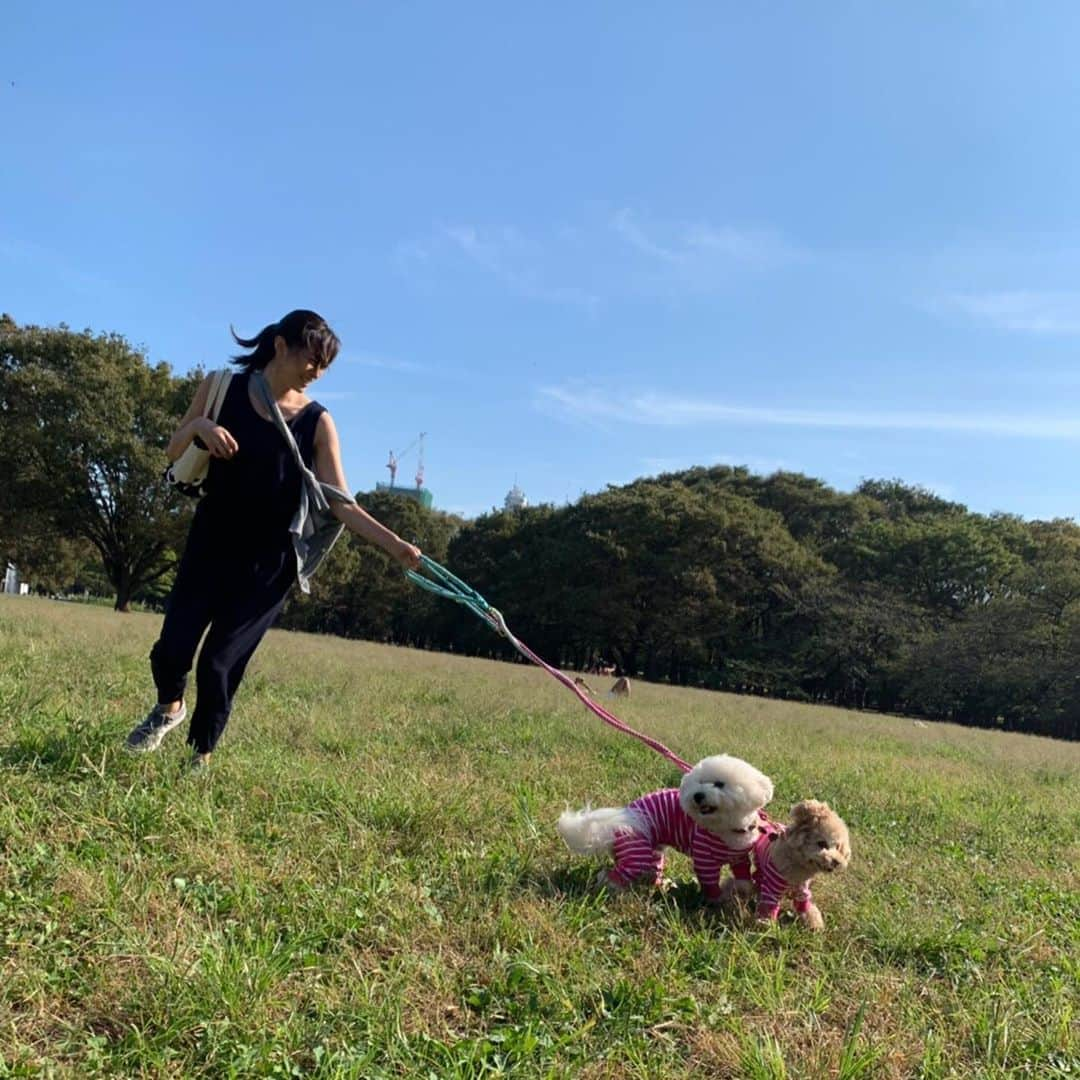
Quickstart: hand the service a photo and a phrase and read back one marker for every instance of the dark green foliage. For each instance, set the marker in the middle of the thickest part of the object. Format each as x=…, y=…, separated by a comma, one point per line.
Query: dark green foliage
x=83, y=420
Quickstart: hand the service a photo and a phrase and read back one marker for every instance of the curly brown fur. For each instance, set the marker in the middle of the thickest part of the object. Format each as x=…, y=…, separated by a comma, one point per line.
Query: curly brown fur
x=815, y=842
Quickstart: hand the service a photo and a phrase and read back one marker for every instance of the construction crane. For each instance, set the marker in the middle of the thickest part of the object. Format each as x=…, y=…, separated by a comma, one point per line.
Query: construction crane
x=392, y=464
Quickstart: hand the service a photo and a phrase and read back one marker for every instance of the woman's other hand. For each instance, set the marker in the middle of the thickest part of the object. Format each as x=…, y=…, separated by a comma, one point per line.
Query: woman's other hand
x=217, y=439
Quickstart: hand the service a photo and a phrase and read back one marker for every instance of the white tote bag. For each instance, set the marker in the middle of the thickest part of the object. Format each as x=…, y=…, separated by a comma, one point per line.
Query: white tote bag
x=189, y=471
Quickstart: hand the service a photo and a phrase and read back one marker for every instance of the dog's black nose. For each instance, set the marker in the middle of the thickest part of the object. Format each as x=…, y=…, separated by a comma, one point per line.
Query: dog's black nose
x=699, y=797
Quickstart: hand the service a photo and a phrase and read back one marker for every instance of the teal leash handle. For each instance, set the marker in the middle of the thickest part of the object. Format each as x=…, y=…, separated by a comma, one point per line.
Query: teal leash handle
x=453, y=588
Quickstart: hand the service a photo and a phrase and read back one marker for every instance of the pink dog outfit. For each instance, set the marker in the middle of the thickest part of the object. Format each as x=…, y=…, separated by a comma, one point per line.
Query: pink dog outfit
x=770, y=883
x=664, y=823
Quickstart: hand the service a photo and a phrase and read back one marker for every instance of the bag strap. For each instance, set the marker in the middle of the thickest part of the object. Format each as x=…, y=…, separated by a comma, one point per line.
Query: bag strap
x=219, y=386
x=318, y=491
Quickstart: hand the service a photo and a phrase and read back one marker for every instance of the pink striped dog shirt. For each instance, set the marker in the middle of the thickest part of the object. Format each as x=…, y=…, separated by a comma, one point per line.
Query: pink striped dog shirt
x=664, y=823
x=770, y=883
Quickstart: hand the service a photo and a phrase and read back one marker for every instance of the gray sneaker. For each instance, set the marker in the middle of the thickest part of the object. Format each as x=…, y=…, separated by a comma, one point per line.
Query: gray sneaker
x=158, y=723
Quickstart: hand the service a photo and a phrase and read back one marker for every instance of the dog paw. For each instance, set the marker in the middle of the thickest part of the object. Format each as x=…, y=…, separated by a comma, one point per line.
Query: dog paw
x=607, y=884
x=811, y=919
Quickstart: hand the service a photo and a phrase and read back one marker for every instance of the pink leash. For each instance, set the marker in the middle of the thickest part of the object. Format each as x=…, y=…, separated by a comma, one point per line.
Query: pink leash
x=587, y=701
x=455, y=589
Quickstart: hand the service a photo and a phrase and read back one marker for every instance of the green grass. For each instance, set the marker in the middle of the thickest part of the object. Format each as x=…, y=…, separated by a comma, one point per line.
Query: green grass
x=369, y=884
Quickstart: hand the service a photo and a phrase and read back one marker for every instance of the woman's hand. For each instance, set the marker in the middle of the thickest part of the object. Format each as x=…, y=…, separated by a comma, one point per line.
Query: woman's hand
x=407, y=554
x=217, y=440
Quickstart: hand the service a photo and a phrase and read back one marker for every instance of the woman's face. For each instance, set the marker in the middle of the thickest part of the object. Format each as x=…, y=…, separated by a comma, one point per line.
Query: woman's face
x=302, y=368
x=308, y=369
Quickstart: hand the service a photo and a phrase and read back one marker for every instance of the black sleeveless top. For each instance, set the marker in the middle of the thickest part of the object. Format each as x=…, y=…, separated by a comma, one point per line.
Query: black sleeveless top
x=254, y=494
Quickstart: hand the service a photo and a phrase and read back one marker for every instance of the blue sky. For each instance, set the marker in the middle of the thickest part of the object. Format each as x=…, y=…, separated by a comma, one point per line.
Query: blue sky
x=577, y=244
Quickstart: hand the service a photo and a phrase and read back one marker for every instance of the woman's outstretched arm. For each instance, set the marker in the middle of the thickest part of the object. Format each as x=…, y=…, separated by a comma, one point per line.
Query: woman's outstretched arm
x=328, y=469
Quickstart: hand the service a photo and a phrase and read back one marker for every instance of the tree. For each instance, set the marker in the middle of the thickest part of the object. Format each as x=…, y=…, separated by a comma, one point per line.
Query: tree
x=946, y=564
x=664, y=580
x=853, y=639
x=83, y=421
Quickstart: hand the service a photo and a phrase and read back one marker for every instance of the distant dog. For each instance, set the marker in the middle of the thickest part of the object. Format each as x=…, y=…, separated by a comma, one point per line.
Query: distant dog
x=788, y=857
x=714, y=816
x=621, y=687
x=579, y=681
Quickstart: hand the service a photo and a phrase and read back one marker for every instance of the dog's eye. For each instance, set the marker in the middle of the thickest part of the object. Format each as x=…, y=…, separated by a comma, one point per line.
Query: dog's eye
x=718, y=783
x=823, y=844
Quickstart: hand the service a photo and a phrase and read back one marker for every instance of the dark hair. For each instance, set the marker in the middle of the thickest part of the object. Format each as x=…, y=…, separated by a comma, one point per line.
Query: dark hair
x=301, y=330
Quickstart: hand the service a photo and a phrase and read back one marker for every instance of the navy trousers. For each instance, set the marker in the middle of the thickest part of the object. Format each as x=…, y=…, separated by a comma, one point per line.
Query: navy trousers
x=237, y=595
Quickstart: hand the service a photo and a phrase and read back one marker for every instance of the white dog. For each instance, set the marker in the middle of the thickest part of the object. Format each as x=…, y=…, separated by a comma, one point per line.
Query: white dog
x=714, y=816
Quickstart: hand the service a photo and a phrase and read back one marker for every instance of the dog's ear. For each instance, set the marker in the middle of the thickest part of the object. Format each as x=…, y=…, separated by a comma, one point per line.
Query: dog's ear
x=807, y=812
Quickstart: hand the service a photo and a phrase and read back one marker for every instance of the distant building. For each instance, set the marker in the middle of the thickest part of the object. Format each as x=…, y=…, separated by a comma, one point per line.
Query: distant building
x=417, y=494
x=11, y=581
x=515, y=499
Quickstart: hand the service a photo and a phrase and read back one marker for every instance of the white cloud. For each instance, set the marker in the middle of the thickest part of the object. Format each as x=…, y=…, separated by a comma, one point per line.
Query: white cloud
x=627, y=227
x=1032, y=312
x=505, y=253
x=650, y=408
x=701, y=249
x=490, y=249
x=562, y=264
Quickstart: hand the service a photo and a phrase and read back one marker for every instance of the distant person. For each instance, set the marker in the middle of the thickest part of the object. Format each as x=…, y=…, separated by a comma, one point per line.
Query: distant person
x=241, y=560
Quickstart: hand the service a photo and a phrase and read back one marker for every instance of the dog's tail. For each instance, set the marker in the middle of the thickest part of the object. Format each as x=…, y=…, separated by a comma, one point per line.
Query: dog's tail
x=591, y=832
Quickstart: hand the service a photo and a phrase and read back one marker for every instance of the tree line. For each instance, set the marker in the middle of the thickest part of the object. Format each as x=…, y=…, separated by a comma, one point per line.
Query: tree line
x=887, y=597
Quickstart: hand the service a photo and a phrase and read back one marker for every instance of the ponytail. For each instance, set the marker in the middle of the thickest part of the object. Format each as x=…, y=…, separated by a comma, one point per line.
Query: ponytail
x=262, y=346
x=298, y=329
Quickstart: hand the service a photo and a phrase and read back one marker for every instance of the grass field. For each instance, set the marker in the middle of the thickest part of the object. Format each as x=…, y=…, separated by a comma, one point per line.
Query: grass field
x=368, y=883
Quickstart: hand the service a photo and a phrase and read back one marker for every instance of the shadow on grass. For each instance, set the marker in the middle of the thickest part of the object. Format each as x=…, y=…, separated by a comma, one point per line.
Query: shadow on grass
x=682, y=903
x=579, y=882
x=557, y=884
x=54, y=752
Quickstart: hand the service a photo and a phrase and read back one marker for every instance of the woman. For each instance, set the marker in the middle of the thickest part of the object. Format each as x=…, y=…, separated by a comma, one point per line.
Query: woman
x=240, y=561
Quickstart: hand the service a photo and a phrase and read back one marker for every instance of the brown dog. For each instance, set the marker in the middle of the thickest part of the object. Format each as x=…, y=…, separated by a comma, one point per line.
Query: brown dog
x=788, y=857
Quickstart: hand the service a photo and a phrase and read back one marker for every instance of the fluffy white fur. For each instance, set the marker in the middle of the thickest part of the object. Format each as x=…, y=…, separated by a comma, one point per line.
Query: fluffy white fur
x=722, y=794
